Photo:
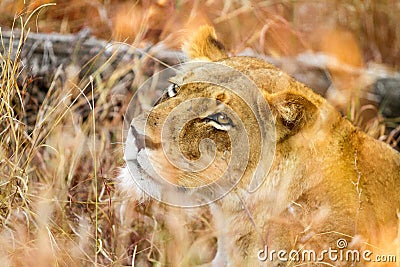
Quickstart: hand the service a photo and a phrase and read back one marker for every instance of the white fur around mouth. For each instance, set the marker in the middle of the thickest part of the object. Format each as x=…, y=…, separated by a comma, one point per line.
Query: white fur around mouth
x=131, y=150
x=134, y=180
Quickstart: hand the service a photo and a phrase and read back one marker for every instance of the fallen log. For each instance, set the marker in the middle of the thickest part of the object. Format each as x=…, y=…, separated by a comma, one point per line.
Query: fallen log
x=42, y=54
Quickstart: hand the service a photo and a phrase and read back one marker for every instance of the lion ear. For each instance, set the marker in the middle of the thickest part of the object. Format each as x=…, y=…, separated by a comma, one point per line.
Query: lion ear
x=205, y=46
x=293, y=112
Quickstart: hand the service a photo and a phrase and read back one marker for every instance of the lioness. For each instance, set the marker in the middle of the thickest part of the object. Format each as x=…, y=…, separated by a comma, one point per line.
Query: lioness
x=329, y=186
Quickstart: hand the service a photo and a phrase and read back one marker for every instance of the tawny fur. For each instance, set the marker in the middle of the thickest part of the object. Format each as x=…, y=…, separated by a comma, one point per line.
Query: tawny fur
x=205, y=46
x=329, y=180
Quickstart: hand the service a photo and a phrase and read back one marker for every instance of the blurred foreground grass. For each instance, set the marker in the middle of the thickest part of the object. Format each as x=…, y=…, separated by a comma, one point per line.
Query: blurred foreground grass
x=60, y=148
x=57, y=167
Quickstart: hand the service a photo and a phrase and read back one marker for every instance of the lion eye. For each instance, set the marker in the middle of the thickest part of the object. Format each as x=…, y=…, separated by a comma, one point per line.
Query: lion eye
x=172, y=90
x=220, y=121
x=222, y=118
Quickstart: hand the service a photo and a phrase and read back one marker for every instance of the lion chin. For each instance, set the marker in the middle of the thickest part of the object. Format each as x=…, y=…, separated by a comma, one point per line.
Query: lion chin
x=328, y=182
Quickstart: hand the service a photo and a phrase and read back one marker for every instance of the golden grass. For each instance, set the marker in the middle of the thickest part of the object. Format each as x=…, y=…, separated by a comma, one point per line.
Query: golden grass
x=58, y=205
x=57, y=168
x=279, y=28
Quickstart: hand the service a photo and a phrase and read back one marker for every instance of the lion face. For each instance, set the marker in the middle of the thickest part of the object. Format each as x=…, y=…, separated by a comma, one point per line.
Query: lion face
x=199, y=134
x=214, y=128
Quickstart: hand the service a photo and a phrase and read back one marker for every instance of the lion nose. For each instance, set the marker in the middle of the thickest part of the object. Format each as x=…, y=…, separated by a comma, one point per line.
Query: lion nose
x=139, y=138
x=137, y=130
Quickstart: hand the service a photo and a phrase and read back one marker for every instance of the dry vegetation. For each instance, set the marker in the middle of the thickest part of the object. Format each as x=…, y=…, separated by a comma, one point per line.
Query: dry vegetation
x=60, y=147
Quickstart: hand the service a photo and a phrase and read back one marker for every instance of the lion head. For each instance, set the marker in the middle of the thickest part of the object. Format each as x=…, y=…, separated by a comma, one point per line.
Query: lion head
x=300, y=173
x=217, y=124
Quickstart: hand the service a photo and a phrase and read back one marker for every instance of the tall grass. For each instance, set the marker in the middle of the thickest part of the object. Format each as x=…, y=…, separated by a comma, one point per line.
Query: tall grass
x=60, y=149
x=57, y=161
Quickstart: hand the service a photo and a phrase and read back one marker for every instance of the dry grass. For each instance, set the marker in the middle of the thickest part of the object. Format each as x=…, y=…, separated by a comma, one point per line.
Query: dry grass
x=277, y=28
x=60, y=149
x=57, y=164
